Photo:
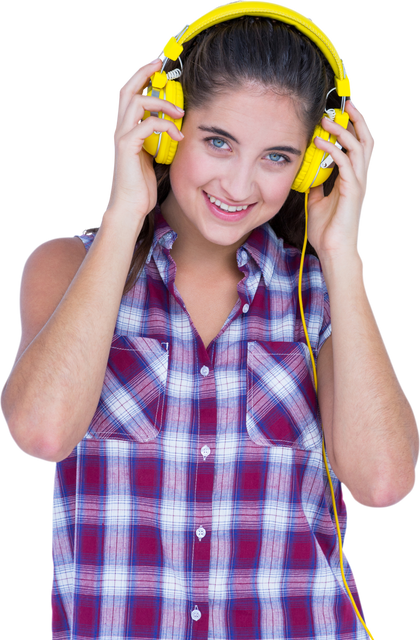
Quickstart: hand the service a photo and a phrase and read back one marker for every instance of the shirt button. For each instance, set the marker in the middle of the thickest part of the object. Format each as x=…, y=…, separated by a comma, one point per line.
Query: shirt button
x=245, y=308
x=201, y=532
x=205, y=451
x=196, y=613
x=204, y=371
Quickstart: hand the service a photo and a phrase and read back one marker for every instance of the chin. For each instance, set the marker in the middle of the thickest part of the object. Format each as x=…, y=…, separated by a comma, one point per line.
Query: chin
x=225, y=236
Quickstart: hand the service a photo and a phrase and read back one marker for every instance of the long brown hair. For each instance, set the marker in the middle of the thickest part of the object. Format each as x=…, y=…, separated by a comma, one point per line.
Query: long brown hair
x=245, y=51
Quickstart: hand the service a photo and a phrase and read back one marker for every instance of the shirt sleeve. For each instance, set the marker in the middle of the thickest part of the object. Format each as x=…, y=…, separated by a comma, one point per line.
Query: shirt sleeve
x=87, y=239
x=326, y=320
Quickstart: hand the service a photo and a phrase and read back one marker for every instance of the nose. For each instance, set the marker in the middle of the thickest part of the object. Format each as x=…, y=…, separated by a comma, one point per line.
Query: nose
x=237, y=182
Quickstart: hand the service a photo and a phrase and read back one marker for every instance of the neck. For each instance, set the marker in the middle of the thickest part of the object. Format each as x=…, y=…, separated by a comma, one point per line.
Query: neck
x=191, y=249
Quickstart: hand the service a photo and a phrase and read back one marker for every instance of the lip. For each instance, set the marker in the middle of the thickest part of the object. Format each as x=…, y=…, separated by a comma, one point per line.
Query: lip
x=227, y=216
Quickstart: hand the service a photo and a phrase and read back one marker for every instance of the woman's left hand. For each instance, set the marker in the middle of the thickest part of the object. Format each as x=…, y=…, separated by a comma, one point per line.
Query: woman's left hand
x=334, y=219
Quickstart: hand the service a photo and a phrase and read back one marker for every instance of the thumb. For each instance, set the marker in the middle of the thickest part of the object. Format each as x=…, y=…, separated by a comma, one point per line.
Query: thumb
x=316, y=195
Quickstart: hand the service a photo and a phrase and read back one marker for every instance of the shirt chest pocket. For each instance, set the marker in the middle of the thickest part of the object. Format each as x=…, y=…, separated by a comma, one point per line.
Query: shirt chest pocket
x=132, y=400
x=282, y=407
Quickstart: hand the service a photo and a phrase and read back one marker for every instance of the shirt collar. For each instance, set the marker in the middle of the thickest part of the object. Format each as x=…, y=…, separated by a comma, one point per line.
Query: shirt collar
x=262, y=245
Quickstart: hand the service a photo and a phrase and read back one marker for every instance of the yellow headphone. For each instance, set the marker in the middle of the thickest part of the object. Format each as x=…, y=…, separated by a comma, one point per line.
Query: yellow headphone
x=315, y=166
x=163, y=148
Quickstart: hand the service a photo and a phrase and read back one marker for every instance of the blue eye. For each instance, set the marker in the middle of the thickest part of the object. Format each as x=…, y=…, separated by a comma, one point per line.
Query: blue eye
x=217, y=142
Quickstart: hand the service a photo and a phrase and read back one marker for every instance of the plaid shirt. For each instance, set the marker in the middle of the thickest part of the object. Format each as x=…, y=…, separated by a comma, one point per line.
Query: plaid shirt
x=197, y=505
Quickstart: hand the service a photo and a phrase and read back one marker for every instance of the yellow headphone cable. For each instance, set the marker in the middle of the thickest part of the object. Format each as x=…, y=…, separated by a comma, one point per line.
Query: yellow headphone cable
x=316, y=390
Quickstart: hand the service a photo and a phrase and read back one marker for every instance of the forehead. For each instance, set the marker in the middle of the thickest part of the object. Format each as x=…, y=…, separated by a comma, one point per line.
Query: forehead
x=251, y=114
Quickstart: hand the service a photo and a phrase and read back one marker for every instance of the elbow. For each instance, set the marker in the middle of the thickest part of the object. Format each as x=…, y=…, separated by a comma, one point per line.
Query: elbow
x=47, y=449
x=37, y=452
x=395, y=491
x=35, y=444
x=388, y=496
x=387, y=491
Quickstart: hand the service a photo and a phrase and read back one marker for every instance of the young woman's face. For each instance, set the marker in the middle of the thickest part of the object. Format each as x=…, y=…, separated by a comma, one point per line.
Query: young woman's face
x=234, y=168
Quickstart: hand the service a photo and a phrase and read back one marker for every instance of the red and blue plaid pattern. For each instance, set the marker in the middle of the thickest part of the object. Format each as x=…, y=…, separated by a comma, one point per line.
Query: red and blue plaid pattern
x=197, y=505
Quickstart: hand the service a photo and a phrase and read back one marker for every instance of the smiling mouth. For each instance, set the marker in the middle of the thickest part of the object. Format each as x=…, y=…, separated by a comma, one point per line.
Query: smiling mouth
x=224, y=206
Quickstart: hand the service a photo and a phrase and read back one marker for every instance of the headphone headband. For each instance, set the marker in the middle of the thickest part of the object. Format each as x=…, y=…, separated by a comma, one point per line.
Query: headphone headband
x=268, y=10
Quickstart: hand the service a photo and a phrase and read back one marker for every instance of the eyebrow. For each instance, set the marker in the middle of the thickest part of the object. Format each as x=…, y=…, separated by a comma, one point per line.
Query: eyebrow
x=225, y=134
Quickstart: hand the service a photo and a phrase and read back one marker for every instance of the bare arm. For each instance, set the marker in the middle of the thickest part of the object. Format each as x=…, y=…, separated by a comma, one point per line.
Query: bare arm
x=69, y=305
x=70, y=302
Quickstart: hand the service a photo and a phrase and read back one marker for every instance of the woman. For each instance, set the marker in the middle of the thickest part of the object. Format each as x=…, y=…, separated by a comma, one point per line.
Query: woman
x=155, y=482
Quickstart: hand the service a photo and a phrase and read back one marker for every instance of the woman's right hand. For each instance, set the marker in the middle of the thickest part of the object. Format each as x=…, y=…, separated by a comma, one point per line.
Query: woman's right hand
x=134, y=188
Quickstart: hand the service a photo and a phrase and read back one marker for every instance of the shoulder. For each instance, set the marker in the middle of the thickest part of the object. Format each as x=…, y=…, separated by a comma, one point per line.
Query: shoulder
x=56, y=255
x=47, y=274
x=54, y=263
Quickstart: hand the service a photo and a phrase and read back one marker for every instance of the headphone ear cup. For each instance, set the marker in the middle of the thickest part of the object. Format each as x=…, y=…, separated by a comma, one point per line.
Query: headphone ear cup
x=160, y=145
x=310, y=173
x=168, y=146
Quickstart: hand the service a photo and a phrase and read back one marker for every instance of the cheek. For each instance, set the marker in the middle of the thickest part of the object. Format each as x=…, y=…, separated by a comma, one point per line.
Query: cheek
x=276, y=191
x=185, y=170
x=190, y=171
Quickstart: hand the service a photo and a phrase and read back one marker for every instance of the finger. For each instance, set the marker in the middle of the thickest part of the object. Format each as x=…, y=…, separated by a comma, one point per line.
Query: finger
x=355, y=150
x=348, y=173
x=345, y=136
x=149, y=103
x=139, y=80
x=136, y=137
x=139, y=104
x=135, y=85
x=362, y=131
x=316, y=194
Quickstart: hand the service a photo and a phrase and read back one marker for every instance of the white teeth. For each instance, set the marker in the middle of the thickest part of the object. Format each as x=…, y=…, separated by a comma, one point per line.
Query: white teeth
x=224, y=206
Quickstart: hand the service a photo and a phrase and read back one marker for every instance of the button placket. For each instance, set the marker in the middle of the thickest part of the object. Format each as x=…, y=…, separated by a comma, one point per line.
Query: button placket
x=203, y=490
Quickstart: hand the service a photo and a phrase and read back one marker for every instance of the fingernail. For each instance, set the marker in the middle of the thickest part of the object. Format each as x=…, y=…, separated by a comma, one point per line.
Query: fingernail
x=181, y=134
x=155, y=61
x=179, y=109
x=352, y=103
